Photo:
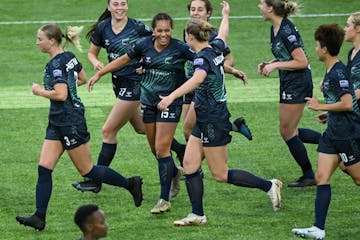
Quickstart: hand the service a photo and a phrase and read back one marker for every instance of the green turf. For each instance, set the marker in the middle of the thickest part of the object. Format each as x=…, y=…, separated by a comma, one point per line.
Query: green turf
x=233, y=212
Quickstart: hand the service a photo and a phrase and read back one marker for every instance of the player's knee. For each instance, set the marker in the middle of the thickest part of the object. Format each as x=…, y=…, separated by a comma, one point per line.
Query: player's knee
x=106, y=132
x=220, y=177
x=321, y=178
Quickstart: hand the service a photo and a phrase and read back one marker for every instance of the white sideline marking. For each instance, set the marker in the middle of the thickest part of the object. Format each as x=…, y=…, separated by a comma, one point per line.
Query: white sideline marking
x=176, y=19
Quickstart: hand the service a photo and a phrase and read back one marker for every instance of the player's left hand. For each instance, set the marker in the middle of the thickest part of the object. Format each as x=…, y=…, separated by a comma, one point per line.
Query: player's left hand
x=164, y=103
x=241, y=75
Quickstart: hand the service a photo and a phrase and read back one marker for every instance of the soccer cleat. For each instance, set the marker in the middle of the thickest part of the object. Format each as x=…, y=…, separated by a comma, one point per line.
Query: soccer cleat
x=303, y=182
x=88, y=186
x=242, y=128
x=175, y=183
x=135, y=188
x=275, y=195
x=310, y=233
x=32, y=221
x=161, y=206
x=191, y=219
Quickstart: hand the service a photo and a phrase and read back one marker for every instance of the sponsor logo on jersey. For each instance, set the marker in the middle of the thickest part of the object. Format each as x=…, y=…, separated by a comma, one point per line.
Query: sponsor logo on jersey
x=57, y=73
x=199, y=61
x=292, y=38
x=344, y=83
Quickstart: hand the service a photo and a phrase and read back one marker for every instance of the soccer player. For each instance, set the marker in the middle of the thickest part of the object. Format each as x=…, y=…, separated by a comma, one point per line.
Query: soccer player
x=352, y=34
x=91, y=221
x=210, y=135
x=340, y=141
x=202, y=9
x=163, y=64
x=117, y=33
x=295, y=82
x=67, y=128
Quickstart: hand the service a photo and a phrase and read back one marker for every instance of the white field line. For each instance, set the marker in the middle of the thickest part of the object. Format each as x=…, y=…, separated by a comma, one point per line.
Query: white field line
x=176, y=19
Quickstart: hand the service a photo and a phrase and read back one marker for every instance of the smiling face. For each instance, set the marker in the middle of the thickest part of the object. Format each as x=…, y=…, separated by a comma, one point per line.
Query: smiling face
x=198, y=10
x=118, y=9
x=162, y=33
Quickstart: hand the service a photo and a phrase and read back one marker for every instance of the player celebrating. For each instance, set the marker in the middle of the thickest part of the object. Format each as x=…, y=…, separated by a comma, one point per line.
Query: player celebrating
x=340, y=141
x=117, y=33
x=67, y=128
x=295, y=82
x=202, y=9
x=210, y=135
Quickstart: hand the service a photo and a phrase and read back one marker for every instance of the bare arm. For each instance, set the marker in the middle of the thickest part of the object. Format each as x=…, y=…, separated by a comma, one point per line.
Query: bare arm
x=93, y=56
x=189, y=86
x=81, y=78
x=236, y=73
x=299, y=61
x=345, y=104
x=112, y=66
x=59, y=93
x=224, y=25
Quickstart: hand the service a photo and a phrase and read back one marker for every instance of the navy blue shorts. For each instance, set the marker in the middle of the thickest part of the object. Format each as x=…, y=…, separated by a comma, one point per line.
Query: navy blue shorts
x=213, y=134
x=70, y=136
x=295, y=90
x=125, y=89
x=152, y=114
x=348, y=150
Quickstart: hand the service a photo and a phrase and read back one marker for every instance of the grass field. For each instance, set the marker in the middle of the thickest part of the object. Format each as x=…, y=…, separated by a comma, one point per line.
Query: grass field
x=233, y=212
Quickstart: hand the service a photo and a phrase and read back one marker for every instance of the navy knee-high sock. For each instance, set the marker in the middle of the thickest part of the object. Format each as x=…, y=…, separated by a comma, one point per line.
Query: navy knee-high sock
x=298, y=151
x=43, y=191
x=245, y=179
x=107, y=175
x=106, y=154
x=177, y=147
x=322, y=203
x=195, y=189
x=166, y=170
x=307, y=135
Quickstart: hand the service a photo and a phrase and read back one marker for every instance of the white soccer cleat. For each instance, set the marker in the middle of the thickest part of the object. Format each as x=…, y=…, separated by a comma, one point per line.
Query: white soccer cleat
x=191, y=219
x=161, y=206
x=310, y=233
x=275, y=195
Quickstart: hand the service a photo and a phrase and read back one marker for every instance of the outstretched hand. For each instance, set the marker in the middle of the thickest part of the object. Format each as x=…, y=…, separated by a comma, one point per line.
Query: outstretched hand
x=92, y=82
x=225, y=8
x=239, y=74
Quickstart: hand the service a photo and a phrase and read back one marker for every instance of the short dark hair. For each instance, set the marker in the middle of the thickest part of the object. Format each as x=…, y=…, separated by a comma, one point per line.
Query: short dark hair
x=330, y=36
x=83, y=213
